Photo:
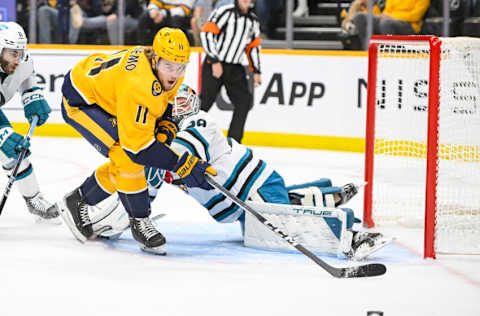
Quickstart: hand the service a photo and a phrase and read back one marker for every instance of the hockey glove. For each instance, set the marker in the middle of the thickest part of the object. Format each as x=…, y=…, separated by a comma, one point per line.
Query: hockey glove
x=34, y=104
x=192, y=171
x=154, y=176
x=12, y=144
x=166, y=131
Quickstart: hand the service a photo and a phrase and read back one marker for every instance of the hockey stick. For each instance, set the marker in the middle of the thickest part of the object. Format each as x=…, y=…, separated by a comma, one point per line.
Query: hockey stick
x=12, y=176
x=367, y=270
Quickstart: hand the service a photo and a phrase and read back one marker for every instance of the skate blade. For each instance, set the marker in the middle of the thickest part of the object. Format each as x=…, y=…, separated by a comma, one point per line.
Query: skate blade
x=160, y=250
x=157, y=217
x=67, y=218
x=114, y=236
x=50, y=221
x=362, y=255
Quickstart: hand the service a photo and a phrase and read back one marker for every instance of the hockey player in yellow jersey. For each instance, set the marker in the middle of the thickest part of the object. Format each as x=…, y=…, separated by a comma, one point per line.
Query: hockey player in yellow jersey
x=119, y=104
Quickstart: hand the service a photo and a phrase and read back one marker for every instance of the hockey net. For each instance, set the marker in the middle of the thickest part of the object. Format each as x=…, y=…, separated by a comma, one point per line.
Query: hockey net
x=423, y=139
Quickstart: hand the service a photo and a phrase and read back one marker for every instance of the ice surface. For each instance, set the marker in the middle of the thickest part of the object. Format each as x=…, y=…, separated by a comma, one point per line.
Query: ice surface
x=45, y=271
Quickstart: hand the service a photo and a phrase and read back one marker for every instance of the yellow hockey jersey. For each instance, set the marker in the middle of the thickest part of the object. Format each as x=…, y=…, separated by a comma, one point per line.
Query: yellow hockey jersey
x=124, y=85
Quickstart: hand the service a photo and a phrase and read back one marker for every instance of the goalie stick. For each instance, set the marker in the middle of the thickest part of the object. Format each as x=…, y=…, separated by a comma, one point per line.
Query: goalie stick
x=12, y=176
x=367, y=270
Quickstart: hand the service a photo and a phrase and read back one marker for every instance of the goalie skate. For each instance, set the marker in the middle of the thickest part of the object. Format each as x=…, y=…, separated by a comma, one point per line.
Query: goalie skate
x=349, y=190
x=365, y=243
x=148, y=236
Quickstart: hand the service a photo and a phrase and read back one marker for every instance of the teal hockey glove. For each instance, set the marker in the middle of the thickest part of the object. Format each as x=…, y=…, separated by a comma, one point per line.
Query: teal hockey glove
x=12, y=144
x=34, y=104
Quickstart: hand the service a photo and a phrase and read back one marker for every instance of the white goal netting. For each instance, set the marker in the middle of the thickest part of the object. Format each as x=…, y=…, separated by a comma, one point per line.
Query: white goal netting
x=401, y=128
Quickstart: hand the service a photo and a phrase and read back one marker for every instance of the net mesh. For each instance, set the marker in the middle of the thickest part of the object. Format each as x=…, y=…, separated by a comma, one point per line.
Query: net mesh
x=401, y=126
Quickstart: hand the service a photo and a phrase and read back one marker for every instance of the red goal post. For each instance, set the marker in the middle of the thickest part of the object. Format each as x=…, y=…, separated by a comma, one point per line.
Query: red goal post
x=408, y=62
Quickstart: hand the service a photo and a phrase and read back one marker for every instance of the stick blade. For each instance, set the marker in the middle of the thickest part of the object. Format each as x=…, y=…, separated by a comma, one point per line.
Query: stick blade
x=367, y=270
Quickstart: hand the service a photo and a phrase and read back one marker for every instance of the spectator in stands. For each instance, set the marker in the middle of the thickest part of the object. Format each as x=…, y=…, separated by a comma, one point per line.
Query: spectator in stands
x=400, y=17
x=53, y=21
x=47, y=20
x=91, y=15
x=357, y=6
x=172, y=13
x=301, y=9
x=64, y=21
x=268, y=11
x=201, y=12
x=348, y=33
x=132, y=12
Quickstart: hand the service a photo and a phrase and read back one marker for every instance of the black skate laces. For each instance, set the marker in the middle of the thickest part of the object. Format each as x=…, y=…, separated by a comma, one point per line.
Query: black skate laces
x=83, y=212
x=364, y=237
x=146, y=227
x=349, y=191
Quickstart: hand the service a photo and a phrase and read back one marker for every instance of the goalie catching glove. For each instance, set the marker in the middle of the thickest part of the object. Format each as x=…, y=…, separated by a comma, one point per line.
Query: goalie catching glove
x=191, y=171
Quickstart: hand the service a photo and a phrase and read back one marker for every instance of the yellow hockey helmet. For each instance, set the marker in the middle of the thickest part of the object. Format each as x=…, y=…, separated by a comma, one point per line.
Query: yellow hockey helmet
x=171, y=44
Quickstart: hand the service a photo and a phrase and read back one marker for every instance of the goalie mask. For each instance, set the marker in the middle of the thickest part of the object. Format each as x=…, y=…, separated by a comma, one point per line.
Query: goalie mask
x=186, y=104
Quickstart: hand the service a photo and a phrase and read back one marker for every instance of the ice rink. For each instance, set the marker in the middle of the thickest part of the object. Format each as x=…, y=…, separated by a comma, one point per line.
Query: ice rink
x=45, y=271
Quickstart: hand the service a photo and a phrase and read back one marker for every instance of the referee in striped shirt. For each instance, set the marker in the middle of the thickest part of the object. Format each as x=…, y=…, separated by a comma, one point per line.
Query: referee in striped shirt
x=231, y=31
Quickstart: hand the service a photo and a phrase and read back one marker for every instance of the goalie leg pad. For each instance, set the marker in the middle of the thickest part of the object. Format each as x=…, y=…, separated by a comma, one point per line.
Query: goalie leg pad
x=326, y=230
x=273, y=190
x=330, y=195
x=312, y=196
x=110, y=213
x=320, y=183
x=336, y=225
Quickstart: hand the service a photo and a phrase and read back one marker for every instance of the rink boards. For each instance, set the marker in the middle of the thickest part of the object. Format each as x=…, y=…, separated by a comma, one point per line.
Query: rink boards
x=308, y=99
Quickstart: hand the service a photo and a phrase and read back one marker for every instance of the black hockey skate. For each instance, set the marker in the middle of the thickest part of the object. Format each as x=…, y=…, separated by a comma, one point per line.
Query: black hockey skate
x=37, y=205
x=365, y=243
x=74, y=212
x=349, y=190
x=147, y=235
